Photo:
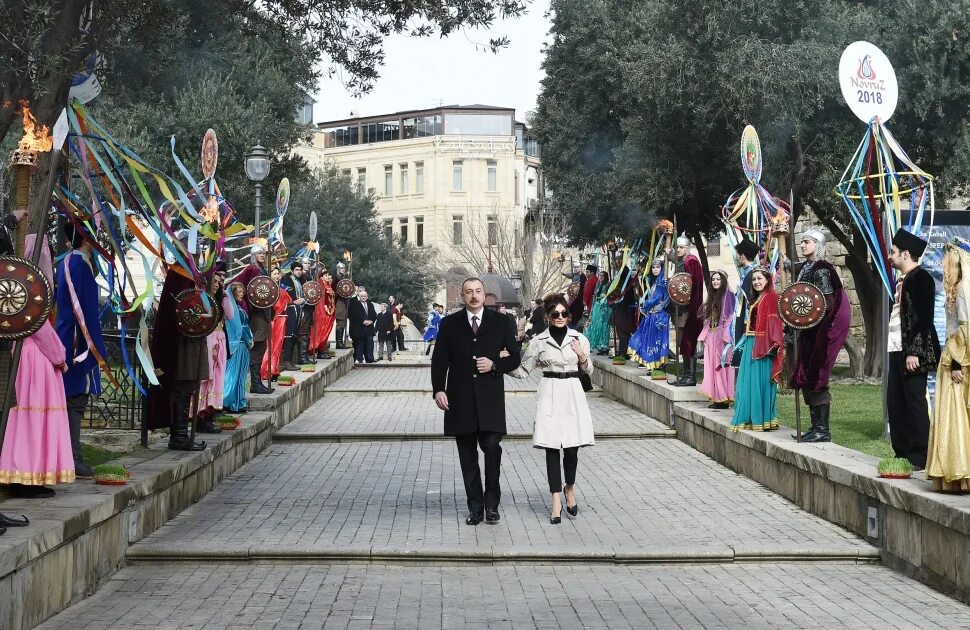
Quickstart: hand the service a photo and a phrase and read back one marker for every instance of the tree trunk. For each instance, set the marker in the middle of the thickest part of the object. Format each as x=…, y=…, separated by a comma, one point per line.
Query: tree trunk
x=856, y=356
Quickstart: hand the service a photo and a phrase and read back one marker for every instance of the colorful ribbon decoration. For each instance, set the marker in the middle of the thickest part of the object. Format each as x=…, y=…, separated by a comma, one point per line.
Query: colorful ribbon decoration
x=878, y=181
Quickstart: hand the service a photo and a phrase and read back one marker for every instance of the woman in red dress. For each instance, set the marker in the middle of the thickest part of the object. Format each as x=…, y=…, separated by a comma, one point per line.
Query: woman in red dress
x=277, y=329
x=324, y=315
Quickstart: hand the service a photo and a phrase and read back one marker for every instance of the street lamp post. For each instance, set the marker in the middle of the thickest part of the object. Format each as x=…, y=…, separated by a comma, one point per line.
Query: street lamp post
x=257, y=169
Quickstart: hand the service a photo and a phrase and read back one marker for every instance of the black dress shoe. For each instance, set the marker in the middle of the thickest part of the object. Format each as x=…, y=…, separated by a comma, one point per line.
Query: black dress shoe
x=3, y=530
x=491, y=515
x=208, y=427
x=21, y=491
x=83, y=471
x=474, y=518
x=6, y=521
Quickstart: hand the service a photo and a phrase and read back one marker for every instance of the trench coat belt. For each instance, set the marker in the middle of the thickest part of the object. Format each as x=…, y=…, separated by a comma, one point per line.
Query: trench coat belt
x=560, y=375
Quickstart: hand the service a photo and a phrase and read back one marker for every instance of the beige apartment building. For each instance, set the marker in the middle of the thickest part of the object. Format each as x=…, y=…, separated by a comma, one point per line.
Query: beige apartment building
x=460, y=180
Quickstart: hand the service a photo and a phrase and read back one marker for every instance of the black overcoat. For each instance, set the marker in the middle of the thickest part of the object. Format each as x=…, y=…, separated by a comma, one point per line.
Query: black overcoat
x=476, y=401
x=357, y=315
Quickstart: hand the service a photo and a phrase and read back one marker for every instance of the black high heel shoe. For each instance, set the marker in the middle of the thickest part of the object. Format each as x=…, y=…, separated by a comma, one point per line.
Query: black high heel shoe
x=574, y=510
x=555, y=520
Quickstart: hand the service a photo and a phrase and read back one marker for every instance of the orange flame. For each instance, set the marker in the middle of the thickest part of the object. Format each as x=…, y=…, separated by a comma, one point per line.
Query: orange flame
x=34, y=139
x=210, y=212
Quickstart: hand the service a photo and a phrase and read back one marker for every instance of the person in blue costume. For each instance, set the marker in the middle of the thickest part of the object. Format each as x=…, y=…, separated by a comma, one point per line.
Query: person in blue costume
x=598, y=329
x=434, y=321
x=76, y=296
x=239, y=337
x=649, y=345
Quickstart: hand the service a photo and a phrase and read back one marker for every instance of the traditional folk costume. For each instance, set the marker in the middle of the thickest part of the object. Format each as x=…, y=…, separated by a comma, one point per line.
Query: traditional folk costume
x=649, y=344
x=948, y=454
x=299, y=321
x=598, y=330
x=277, y=337
x=819, y=346
x=323, y=318
x=259, y=323
x=341, y=308
x=76, y=296
x=718, y=383
x=37, y=445
x=212, y=391
x=687, y=318
x=911, y=333
x=742, y=298
x=434, y=321
x=624, y=304
x=762, y=357
x=239, y=338
x=181, y=363
x=589, y=291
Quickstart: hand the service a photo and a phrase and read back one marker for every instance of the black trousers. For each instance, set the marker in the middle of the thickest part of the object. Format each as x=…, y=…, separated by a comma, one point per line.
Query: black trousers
x=570, y=458
x=75, y=417
x=909, y=420
x=256, y=354
x=399, y=335
x=364, y=348
x=491, y=445
x=816, y=399
x=622, y=342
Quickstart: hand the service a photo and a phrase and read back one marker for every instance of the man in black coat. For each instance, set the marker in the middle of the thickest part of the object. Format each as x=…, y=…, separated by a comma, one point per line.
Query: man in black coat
x=467, y=378
x=914, y=350
x=362, y=316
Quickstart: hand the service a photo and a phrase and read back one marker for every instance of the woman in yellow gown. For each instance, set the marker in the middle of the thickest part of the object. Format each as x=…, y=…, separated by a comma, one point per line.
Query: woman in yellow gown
x=948, y=461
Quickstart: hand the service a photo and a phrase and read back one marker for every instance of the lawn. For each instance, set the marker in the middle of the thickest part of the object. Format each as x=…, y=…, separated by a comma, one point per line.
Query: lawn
x=856, y=418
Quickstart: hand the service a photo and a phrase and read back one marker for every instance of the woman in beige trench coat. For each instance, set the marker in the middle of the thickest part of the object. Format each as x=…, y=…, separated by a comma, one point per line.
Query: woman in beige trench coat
x=563, y=420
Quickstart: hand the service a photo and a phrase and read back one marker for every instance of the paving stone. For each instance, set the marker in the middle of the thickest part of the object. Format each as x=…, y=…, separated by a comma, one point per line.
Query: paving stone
x=410, y=379
x=217, y=595
x=416, y=415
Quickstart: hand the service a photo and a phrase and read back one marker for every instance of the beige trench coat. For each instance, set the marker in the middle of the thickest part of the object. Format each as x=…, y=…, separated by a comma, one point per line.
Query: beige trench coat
x=562, y=413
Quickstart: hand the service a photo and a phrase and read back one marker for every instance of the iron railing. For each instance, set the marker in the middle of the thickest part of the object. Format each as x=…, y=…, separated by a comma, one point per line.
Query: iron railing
x=118, y=407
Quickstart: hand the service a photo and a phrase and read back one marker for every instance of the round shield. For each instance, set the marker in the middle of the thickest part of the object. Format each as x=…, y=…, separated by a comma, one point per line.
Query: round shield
x=210, y=153
x=680, y=286
x=262, y=292
x=346, y=288
x=196, y=317
x=312, y=291
x=572, y=291
x=801, y=305
x=25, y=298
x=283, y=197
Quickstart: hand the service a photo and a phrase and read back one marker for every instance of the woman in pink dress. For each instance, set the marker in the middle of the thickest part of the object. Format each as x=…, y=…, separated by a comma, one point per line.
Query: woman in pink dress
x=211, y=391
x=37, y=446
x=718, y=384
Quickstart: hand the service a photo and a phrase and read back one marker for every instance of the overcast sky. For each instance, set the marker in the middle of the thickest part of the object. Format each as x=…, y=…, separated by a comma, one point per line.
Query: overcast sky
x=425, y=72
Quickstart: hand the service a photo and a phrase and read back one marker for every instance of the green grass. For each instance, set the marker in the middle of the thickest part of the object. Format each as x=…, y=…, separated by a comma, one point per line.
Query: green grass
x=856, y=418
x=94, y=455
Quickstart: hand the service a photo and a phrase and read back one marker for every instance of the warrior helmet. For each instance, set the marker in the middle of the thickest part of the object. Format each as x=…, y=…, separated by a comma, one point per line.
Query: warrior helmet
x=683, y=241
x=816, y=234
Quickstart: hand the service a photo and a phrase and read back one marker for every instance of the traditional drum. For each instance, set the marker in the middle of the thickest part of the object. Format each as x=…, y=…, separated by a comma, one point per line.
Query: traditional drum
x=679, y=287
x=196, y=316
x=262, y=292
x=801, y=305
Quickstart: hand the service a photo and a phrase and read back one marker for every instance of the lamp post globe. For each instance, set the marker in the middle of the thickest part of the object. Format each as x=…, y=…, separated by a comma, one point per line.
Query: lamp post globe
x=257, y=169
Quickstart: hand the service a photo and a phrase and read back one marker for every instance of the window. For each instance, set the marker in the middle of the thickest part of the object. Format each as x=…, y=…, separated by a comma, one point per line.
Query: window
x=404, y=230
x=381, y=132
x=388, y=180
x=457, y=224
x=404, y=179
x=419, y=231
x=479, y=124
x=362, y=180
x=456, y=175
x=714, y=248
x=346, y=173
x=516, y=188
x=388, y=229
x=422, y=127
x=492, y=176
x=419, y=177
x=492, y=230
x=341, y=136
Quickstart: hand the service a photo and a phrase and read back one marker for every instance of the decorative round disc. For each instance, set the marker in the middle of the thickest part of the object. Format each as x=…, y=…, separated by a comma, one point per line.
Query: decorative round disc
x=210, y=153
x=312, y=292
x=26, y=298
x=751, y=154
x=572, y=291
x=680, y=286
x=346, y=288
x=283, y=197
x=196, y=316
x=262, y=292
x=801, y=305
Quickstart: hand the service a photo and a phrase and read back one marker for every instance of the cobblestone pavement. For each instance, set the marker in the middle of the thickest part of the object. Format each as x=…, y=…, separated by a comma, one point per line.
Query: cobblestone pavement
x=398, y=497
x=248, y=596
x=410, y=414
x=369, y=533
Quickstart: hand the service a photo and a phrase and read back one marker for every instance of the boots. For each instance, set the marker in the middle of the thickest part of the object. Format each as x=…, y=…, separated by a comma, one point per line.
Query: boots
x=341, y=328
x=286, y=361
x=821, y=433
x=304, y=346
x=256, y=384
x=688, y=367
x=813, y=412
x=179, y=439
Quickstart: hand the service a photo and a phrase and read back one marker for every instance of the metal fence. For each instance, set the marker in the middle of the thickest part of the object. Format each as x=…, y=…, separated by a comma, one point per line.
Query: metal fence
x=118, y=407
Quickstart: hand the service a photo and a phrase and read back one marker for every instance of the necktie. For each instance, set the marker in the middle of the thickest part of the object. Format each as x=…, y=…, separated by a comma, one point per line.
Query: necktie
x=475, y=324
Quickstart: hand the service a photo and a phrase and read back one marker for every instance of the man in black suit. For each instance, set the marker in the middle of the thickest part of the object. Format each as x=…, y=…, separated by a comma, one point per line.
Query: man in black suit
x=467, y=378
x=362, y=316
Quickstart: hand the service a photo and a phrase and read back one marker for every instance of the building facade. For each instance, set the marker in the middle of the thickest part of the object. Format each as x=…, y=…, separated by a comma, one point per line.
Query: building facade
x=459, y=180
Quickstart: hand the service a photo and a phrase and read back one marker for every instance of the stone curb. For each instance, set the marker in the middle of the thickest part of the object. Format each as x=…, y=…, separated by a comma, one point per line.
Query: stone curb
x=293, y=436
x=393, y=391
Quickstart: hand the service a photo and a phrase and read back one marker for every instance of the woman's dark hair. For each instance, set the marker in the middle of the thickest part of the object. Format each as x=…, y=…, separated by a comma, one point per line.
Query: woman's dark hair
x=73, y=235
x=767, y=276
x=552, y=300
x=715, y=298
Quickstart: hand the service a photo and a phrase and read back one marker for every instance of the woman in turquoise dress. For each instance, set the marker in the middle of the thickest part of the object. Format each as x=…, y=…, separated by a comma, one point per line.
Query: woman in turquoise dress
x=240, y=339
x=598, y=329
x=648, y=346
x=762, y=356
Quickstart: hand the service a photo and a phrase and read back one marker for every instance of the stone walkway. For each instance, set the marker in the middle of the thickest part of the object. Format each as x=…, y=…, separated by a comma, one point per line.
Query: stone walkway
x=369, y=533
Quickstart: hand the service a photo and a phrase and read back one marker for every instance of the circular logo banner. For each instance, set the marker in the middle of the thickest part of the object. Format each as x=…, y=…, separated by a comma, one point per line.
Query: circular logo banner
x=751, y=154
x=283, y=197
x=868, y=82
x=210, y=153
